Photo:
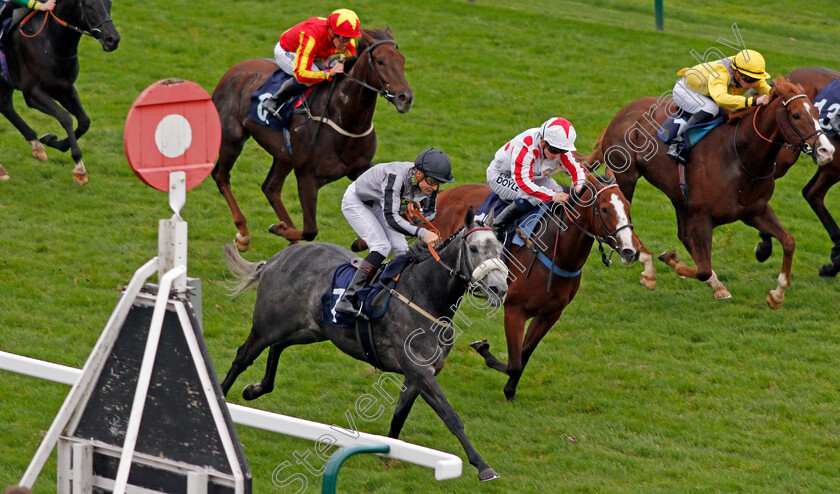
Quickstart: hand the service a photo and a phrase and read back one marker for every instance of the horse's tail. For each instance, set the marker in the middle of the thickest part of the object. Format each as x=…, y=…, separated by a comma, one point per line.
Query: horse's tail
x=246, y=273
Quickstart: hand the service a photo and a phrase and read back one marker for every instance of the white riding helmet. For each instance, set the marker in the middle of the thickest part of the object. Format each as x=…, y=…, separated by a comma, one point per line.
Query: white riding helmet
x=559, y=133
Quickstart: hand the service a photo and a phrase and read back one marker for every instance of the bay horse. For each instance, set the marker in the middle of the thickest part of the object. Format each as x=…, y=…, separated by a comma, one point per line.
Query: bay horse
x=318, y=154
x=563, y=239
x=43, y=59
x=411, y=340
x=729, y=175
x=812, y=80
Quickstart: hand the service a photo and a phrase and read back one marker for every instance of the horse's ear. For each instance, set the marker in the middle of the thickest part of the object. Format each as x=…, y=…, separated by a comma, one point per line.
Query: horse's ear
x=488, y=220
x=388, y=33
x=469, y=217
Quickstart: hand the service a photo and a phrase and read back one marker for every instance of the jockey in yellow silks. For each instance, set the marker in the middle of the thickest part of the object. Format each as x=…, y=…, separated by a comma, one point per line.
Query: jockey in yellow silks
x=703, y=89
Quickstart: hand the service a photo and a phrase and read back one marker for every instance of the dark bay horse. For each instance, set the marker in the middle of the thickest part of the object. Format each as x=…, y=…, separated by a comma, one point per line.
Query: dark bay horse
x=729, y=174
x=812, y=80
x=43, y=59
x=319, y=154
x=535, y=291
x=288, y=312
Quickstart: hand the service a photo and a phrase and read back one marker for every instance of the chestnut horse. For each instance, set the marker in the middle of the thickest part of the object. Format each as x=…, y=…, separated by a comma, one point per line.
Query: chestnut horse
x=319, y=153
x=43, y=59
x=729, y=174
x=812, y=80
x=563, y=239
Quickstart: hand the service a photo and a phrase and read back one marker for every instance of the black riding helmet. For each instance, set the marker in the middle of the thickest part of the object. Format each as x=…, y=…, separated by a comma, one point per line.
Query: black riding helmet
x=435, y=163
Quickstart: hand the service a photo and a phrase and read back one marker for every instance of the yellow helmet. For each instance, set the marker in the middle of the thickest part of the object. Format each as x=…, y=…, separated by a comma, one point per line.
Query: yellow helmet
x=750, y=63
x=345, y=23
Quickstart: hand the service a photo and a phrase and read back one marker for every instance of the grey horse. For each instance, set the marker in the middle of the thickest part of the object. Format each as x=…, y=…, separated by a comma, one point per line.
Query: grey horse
x=413, y=340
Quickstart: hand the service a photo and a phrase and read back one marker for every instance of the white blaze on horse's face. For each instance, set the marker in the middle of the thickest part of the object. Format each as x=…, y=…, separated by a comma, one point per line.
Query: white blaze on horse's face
x=825, y=150
x=624, y=237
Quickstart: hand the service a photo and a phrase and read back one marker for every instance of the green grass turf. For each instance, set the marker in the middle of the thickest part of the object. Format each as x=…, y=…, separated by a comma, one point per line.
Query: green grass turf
x=632, y=391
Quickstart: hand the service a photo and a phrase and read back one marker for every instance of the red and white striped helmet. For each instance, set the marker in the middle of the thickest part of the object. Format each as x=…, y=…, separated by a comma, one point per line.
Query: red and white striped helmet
x=559, y=133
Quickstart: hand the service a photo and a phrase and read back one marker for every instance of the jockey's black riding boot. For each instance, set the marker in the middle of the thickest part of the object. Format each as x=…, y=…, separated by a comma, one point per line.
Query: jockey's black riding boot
x=505, y=219
x=290, y=88
x=348, y=304
x=675, y=150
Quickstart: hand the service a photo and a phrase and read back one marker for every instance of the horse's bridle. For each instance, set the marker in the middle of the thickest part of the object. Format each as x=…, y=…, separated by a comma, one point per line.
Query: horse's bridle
x=93, y=31
x=382, y=91
x=803, y=145
x=477, y=273
x=607, y=234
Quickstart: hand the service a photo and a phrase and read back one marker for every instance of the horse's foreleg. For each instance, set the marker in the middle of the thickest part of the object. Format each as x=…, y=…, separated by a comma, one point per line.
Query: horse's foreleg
x=245, y=356
x=483, y=349
x=768, y=224
x=814, y=192
x=408, y=395
x=272, y=187
x=431, y=392
x=537, y=329
x=648, y=277
x=230, y=150
x=8, y=110
x=696, y=236
x=39, y=100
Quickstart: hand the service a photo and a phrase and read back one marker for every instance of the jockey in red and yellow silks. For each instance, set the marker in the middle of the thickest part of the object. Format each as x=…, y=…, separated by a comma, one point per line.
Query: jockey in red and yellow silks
x=304, y=51
x=311, y=42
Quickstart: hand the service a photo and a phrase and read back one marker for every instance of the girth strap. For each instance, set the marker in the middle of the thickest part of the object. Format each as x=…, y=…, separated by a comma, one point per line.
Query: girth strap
x=364, y=335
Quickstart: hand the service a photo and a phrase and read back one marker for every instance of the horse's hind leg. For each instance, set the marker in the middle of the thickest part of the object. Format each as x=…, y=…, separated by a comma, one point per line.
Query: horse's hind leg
x=232, y=144
x=768, y=224
x=764, y=248
x=266, y=385
x=814, y=192
x=8, y=110
x=431, y=392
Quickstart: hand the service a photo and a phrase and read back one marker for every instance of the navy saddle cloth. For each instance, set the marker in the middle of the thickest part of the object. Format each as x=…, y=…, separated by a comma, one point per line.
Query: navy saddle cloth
x=341, y=279
x=257, y=113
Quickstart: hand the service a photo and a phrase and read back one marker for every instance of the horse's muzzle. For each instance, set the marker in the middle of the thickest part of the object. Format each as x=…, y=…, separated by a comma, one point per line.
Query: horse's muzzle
x=403, y=101
x=824, y=151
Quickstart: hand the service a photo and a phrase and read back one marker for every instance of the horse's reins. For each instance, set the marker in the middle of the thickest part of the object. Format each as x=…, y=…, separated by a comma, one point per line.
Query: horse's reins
x=323, y=119
x=462, y=260
x=91, y=32
x=803, y=145
x=607, y=234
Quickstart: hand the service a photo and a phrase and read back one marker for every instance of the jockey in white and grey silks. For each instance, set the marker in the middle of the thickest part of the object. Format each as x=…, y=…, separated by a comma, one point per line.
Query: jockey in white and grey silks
x=375, y=203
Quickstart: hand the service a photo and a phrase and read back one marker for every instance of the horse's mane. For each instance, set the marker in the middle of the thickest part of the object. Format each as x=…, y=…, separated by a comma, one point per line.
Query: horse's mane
x=781, y=88
x=370, y=35
x=419, y=251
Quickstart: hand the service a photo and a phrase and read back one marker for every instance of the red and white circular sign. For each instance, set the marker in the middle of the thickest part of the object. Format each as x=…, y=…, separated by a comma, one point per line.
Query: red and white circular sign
x=172, y=126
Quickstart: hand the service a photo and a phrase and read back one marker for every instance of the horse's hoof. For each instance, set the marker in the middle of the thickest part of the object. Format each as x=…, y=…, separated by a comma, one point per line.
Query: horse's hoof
x=277, y=228
x=774, y=302
x=358, y=245
x=648, y=282
x=3, y=174
x=487, y=474
x=669, y=258
x=763, y=253
x=827, y=271
x=250, y=392
x=80, y=178
x=723, y=294
x=38, y=151
x=480, y=345
x=242, y=242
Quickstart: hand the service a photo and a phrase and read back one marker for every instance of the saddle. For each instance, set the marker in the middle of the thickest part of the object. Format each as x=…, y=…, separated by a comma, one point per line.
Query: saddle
x=374, y=298
x=257, y=113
